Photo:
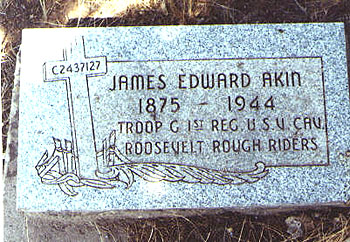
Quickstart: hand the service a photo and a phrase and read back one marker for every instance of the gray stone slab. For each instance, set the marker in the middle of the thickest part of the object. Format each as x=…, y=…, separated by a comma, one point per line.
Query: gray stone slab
x=229, y=116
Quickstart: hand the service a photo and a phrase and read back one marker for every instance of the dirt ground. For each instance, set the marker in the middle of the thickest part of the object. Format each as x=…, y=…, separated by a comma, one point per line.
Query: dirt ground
x=318, y=224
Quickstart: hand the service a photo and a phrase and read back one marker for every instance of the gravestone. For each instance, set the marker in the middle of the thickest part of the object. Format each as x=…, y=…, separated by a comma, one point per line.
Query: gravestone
x=239, y=116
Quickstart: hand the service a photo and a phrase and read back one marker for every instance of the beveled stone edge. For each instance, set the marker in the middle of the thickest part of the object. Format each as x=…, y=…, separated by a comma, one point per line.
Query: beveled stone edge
x=188, y=212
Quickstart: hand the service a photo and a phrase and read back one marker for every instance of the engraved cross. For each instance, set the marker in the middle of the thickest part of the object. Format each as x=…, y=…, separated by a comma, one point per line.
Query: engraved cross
x=75, y=69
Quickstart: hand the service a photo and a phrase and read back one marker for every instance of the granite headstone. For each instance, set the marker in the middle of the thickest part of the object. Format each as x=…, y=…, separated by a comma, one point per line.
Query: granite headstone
x=183, y=117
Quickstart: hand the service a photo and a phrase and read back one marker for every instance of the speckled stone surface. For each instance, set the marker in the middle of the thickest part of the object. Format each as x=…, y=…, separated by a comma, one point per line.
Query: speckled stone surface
x=164, y=117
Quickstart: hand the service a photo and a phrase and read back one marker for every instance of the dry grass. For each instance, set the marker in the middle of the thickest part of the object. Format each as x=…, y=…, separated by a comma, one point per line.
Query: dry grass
x=323, y=225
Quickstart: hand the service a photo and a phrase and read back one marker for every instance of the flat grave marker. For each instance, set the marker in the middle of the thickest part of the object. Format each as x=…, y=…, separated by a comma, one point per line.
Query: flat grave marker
x=212, y=116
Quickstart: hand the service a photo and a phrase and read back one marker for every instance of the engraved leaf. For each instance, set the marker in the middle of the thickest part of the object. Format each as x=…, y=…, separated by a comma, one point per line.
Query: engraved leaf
x=51, y=177
x=174, y=174
x=97, y=183
x=126, y=176
x=69, y=177
x=149, y=172
x=43, y=160
x=157, y=172
x=200, y=174
x=67, y=189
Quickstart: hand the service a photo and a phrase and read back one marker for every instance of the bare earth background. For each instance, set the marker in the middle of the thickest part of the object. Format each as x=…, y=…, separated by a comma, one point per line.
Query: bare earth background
x=317, y=224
